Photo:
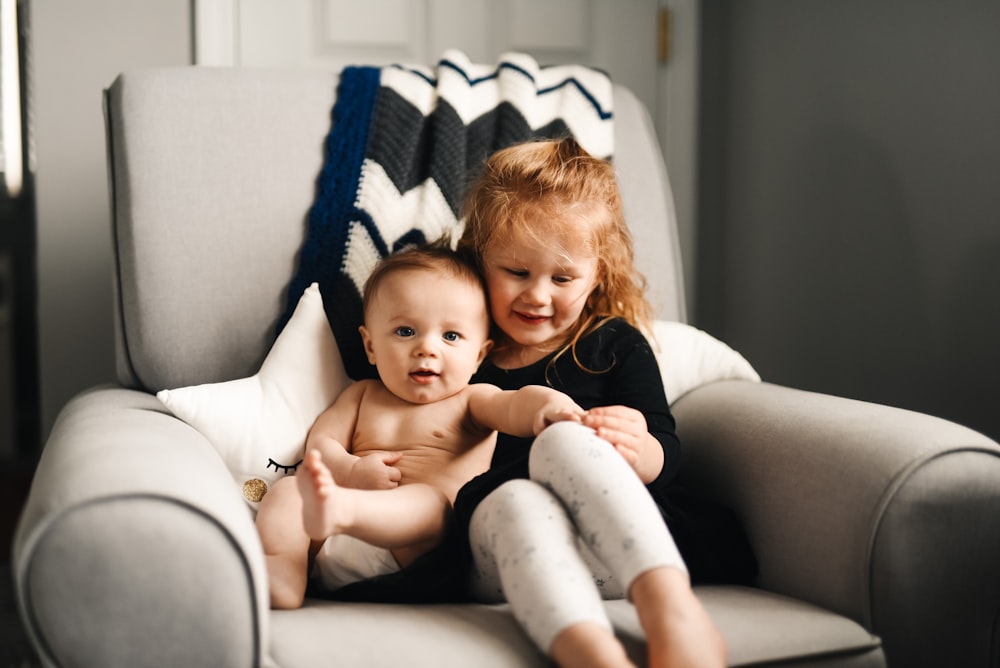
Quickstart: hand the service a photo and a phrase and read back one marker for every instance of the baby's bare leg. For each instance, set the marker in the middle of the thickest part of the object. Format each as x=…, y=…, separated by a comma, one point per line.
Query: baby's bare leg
x=403, y=519
x=286, y=545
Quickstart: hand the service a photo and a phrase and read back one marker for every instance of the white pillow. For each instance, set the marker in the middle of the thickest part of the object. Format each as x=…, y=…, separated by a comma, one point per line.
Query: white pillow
x=689, y=358
x=259, y=424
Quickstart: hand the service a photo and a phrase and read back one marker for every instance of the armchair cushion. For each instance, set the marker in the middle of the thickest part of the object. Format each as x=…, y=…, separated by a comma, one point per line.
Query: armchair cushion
x=259, y=423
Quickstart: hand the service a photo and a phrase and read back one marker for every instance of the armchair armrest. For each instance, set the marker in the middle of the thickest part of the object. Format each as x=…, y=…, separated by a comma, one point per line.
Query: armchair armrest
x=887, y=516
x=134, y=529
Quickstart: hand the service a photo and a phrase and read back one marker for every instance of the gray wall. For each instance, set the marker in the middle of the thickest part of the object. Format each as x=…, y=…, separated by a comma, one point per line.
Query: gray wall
x=78, y=48
x=848, y=226
x=849, y=197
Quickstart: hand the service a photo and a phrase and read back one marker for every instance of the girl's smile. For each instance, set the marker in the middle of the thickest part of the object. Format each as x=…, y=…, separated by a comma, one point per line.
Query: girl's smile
x=531, y=319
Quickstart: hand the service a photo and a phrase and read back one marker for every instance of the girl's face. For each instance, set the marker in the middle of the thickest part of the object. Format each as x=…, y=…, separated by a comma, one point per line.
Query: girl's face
x=537, y=293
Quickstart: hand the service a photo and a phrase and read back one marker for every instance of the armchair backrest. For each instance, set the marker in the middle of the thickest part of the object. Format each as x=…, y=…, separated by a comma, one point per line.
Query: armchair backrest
x=212, y=174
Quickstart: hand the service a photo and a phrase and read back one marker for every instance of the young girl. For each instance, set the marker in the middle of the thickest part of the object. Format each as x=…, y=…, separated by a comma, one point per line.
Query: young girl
x=563, y=521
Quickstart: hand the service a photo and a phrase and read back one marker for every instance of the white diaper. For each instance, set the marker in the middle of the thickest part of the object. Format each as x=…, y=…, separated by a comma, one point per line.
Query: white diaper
x=344, y=559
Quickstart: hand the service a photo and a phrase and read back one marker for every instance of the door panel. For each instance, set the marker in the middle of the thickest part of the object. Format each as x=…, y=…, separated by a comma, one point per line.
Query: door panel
x=618, y=37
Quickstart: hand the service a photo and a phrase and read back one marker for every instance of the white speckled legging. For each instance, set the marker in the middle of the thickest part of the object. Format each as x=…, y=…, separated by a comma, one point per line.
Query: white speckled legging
x=579, y=531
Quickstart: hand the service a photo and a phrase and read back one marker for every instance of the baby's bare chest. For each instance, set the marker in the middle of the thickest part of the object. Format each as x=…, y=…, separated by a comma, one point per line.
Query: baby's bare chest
x=437, y=443
x=441, y=429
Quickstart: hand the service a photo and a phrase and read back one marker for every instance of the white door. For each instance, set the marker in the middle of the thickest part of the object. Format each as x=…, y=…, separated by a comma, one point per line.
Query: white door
x=619, y=36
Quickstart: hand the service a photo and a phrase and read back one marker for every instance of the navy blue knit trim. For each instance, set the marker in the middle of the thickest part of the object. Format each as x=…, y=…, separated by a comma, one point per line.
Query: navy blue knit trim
x=337, y=185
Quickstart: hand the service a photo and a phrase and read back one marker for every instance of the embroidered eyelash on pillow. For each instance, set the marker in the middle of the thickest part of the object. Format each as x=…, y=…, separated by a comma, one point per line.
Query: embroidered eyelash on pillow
x=259, y=424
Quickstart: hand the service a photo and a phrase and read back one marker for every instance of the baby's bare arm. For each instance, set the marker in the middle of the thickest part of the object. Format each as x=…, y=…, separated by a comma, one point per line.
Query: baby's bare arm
x=332, y=433
x=523, y=412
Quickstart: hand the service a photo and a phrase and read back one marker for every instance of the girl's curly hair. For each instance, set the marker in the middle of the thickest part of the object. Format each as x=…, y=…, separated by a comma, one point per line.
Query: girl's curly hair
x=539, y=192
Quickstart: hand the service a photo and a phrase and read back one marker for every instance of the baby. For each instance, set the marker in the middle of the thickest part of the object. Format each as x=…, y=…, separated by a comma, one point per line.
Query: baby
x=383, y=464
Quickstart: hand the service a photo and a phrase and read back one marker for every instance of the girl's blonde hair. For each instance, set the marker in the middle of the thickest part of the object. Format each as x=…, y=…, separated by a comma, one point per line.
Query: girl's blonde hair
x=544, y=191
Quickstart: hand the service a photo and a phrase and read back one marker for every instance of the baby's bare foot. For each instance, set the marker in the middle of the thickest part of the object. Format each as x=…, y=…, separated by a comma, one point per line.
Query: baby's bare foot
x=319, y=497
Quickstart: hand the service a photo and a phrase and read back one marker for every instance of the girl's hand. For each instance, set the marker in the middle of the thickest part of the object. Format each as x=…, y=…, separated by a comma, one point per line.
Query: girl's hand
x=375, y=471
x=625, y=428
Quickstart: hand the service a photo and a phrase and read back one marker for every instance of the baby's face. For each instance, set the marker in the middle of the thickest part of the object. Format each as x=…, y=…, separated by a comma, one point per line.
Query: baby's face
x=427, y=333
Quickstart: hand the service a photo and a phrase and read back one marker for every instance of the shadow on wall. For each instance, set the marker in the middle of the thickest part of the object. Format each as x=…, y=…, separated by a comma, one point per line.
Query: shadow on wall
x=970, y=362
x=847, y=291
x=848, y=227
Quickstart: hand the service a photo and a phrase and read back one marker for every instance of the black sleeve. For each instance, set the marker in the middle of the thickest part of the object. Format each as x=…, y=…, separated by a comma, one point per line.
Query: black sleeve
x=637, y=383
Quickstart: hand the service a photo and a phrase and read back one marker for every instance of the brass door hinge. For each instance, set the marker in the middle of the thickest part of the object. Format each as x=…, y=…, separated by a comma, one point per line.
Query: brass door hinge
x=663, y=35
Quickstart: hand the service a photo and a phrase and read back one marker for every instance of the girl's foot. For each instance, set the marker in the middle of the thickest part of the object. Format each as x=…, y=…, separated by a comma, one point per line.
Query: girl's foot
x=679, y=632
x=589, y=645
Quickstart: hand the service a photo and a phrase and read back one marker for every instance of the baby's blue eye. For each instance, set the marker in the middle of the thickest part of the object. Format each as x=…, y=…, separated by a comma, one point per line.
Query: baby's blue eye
x=452, y=336
x=405, y=331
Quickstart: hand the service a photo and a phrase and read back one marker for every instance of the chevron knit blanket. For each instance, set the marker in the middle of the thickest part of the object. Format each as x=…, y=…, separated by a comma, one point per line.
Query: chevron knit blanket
x=404, y=144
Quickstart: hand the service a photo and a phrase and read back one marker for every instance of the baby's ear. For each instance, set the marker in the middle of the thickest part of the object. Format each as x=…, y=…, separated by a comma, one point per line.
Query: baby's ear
x=483, y=351
x=366, y=339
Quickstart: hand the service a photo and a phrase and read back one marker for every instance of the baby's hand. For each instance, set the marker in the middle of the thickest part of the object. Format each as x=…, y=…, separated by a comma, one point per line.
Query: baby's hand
x=625, y=428
x=375, y=471
x=557, y=412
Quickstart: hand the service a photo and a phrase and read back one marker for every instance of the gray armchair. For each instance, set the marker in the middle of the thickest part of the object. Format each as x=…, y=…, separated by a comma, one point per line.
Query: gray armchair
x=877, y=530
